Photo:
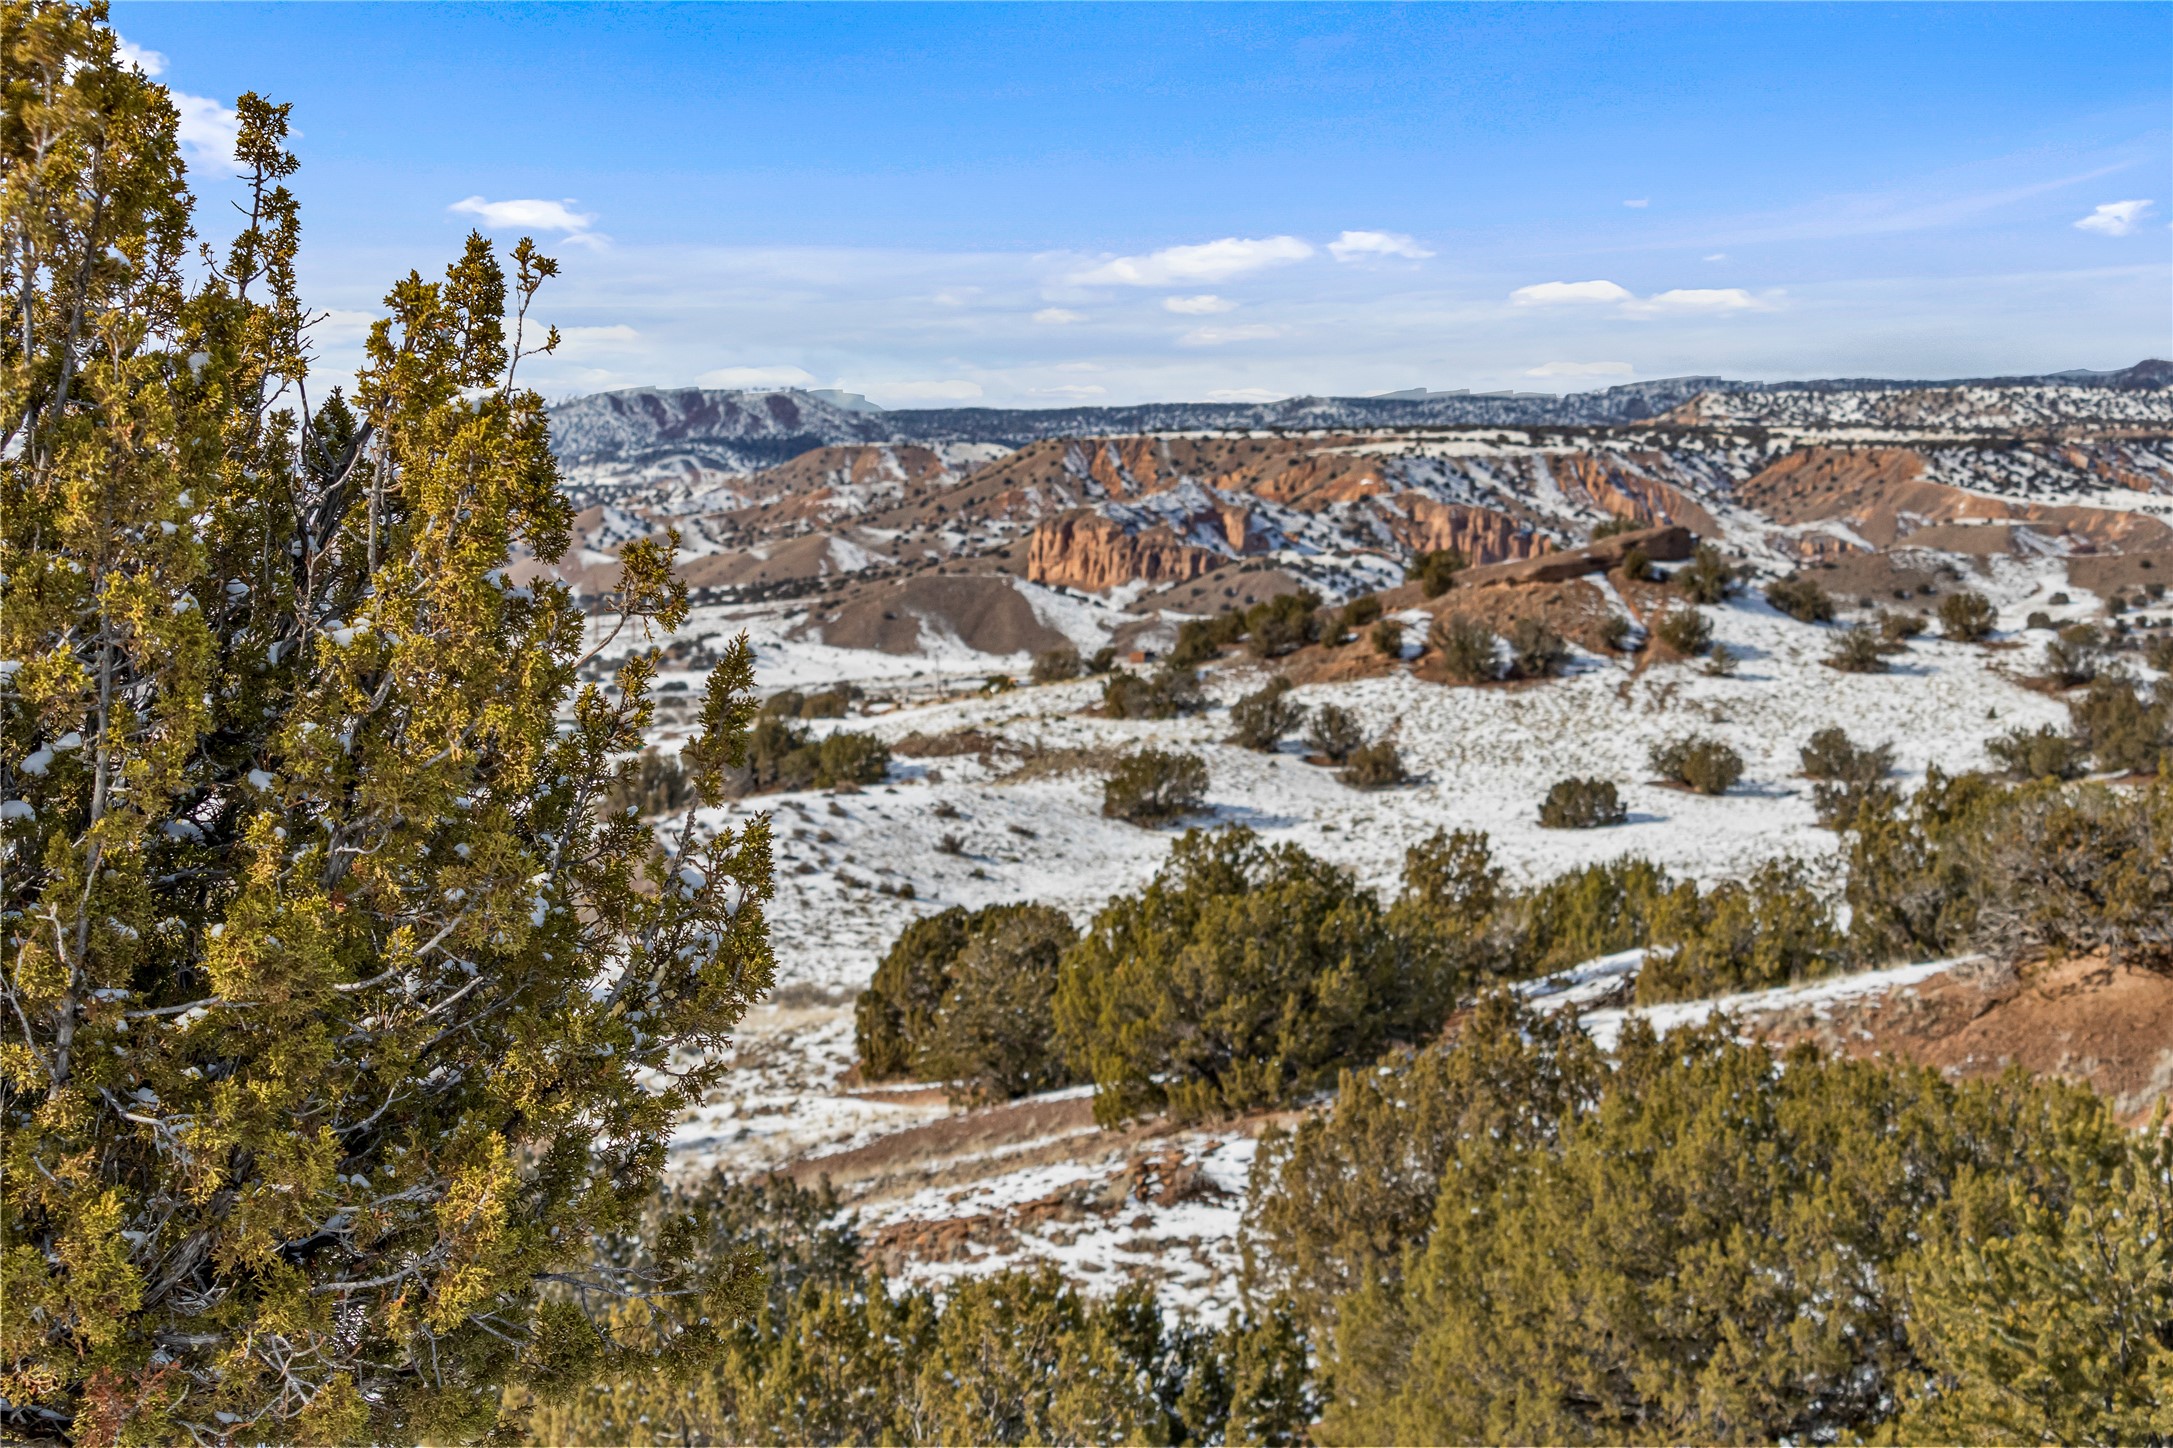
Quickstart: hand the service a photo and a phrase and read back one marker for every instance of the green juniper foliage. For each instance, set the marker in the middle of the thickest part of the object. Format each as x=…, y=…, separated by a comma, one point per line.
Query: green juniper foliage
x=342, y=1009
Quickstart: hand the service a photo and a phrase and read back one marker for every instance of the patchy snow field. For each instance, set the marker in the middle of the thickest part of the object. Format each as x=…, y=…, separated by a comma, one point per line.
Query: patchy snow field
x=1483, y=757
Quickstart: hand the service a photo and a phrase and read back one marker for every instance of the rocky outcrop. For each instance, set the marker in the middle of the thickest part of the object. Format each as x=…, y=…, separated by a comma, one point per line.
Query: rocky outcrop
x=1662, y=545
x=1086, y=550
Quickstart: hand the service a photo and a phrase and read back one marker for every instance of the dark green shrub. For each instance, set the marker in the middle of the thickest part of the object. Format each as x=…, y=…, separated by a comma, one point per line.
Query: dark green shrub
x=1898, y=626
x=1704, y=765
x=1536, y=651
x=1615, y=526
x=785, y=703
x=1771, y=930
x=1387, y=638
x=1967, y=617
x=2074, y=656
x=2121, y=731
x=1435, y=572
x=1057, y=665
x=780, y=756
x=2059, y=600
x=1857, y=650
x=1378, y=765
x=1453, y=879
x=1847, y=775
x=1831, y=1229
x=830, y=1353
x=1360, y=611
x=1582, y=804
x=1685, y=630
x=1579, y=914
x=1335, y=733
x=1801, y=599
x=1281, y=624
x=651, y=784
x=1242, y=976
x=1154, y=785
x=1262, y=718
x=2038, y=619
x=1103, y=659
x=829, y=704
x=1168, y=692
x=1720, y=661
x=1202, y=639
x=1615, y=633
x=1466, y=647
x=965, y=999
x=1707, y=578
x=1637, y=564
x=2158, y=653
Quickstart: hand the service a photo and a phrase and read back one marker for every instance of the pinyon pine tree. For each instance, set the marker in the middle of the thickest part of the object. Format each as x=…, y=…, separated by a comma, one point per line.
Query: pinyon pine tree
x=341, y=1013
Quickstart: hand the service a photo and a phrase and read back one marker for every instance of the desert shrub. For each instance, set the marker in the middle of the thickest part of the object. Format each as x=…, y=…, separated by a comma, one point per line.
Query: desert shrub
x=1792, y=1214
x=1386, y=636
x=829, y=703
x=1242, y=976
x=1637, y=564
x=1361, y=611
x=1857, y=650
x=2059, y=600
x=1335, y=733
x=833, y=1354
x=1279, y=625
x=1582, y=913
x=1801, y=599
x=1168, y=692
x=1466, y=647
x=1720, y=662
x=1102, y=660
x=1770, y=930
x=965, y=998
x=2074, y=656
x=780, y=756
x=1832, y=755
x=1615, y=633
x=2040, y=753
x=1707, y=578
x=1967, y=617
x=1536, y=651
x=2121, y=730
x=1262, y=718
x=2038, y=619
x=1154, y=785
x=1698, y=763
x=650, y=784
x=1685, y=630
x=1435, y=572
x=1582, y=804
x=1615, y=526
x=1057, y=665
x=1202, y=639
x=785, y=703
x=1898, y=626
x=1378, y=765
x=1453, y=879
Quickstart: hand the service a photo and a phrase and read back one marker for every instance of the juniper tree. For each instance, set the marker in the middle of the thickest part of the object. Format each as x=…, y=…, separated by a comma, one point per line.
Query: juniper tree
x=342, y=1012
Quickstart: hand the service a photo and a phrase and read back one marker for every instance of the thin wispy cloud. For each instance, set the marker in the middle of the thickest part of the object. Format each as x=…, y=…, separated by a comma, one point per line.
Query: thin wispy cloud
x=531, y=214
x=1222, y=336
x=1570, y=294
x=1058, y=316
x=1208, y=261
x=2115, y=218
x=1697, y=299
x=1204, y=305
x=954, y=389
x=207, y=129
x=1581, y=369
x=1071, y=390
x=1357, y=245
x=1639, y=204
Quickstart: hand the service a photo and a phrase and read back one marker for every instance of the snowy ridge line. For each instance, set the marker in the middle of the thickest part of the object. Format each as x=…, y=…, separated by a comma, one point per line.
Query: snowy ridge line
x=1605, y=1026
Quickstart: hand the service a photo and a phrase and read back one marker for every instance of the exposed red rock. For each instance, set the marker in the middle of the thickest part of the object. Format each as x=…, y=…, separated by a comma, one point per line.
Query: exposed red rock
x=1090, y=551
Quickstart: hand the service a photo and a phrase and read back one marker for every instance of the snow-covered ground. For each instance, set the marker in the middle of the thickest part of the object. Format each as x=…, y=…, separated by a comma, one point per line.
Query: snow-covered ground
x=1483, y=757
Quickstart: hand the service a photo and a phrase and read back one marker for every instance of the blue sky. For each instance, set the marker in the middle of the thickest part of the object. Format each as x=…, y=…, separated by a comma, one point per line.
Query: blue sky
x=1038, y=204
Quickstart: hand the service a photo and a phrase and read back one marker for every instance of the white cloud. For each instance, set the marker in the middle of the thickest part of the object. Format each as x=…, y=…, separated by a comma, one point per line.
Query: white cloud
x=584, y=341
x=1204, y=305
x=207, y=132
x=1216, y=336
x=532, y=214
x=951, y=390
x=1209, y=261
x=1552, y=294
x=150, y=62
x=1639, y=204
x=1069, y=389
x=1581, y=369
x=749, y=377
x=1699, y=299
x=1058, y=316
x=1718, y=256
x=1352, y=245
x=2115, y=218
x=1244, y=394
